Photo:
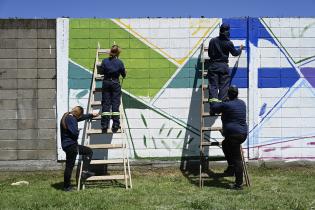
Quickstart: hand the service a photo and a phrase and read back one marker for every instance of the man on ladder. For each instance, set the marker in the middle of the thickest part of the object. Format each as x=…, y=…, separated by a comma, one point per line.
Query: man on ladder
x=112, y=68
x=235, y=133
x=218, y=72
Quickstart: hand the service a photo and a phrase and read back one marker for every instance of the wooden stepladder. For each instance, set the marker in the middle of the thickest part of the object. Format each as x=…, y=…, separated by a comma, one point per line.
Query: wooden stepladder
x=90, y=131
x=204, y=142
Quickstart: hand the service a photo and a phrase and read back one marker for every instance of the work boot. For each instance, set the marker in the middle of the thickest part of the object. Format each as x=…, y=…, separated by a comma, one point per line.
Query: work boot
x=229, y=171
x=68, y=189
x=104, y=129
x=115, y=128
x=236, y=187
x=87, y=174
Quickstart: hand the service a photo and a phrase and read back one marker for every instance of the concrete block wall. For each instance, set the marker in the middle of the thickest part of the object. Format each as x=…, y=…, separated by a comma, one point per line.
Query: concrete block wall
x=27, y=89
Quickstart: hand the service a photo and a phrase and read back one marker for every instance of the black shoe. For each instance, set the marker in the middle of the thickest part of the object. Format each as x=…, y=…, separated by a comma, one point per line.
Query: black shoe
x=229, y=171
x=236, y=187
x=115, y=128
x=68, y=189
x=104, y=130
x=87, y=174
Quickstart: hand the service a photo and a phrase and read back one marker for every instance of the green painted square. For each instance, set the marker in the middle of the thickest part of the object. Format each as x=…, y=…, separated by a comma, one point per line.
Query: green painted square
x=136, y=43
x=138, y=73
x=79, y=33
x=118, y=34
x=104, y=43
x=80, y=23
x=99, y=23
x=159, y=73
x=159, y=62
x=79, y=53
x=122, y=43
x=99, y=33
x=78, y=43
x=141, y=61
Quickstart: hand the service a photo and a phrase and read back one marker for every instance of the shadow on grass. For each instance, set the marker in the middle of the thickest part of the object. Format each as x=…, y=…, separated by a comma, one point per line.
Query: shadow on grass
x=58, y=185
x=210, y=178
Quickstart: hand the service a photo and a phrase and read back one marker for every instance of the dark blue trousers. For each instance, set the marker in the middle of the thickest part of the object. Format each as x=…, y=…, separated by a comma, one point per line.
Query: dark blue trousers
x=111, y=96
x=219, y=80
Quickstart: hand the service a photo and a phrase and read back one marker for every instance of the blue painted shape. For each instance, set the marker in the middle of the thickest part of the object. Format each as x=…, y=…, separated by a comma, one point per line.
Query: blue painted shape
x=277, y=77
x=78, y=78
x=240, y=78
x=238, y=27
x=262, y=109
x=258, y=31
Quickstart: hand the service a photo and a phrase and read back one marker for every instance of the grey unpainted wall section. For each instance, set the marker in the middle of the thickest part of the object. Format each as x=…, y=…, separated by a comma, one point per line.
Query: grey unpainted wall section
x=27, y=89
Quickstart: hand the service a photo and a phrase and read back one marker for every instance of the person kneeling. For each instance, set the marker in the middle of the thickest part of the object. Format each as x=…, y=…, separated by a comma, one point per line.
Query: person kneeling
x=235, y=131
x=69, y=141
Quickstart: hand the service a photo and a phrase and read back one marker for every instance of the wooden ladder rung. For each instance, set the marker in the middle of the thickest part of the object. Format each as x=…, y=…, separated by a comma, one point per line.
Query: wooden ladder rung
x=204, y=87
x=103, y=51
x=96, y=103
x=99, y=131
x=99, y=77
x=205, y=114
x=106, y=146
x=103, y=162
x=205, y=73
x=211, y=143
x=205, y=48
x=205, y=100
x=211, y=128
x=109, y=177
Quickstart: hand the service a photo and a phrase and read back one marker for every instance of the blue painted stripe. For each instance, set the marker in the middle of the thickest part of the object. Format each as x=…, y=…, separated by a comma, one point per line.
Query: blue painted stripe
x=277, y=77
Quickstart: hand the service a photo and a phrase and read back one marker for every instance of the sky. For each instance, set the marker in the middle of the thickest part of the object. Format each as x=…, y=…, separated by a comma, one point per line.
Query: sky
x=156, y=8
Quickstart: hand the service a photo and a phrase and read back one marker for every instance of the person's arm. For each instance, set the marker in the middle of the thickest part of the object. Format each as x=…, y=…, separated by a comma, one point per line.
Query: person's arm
x=86, y=116
x=210, y=48
x=234, y=51
x=123, y=71
x=103, y=67
x=72, y=126
x=217, y=107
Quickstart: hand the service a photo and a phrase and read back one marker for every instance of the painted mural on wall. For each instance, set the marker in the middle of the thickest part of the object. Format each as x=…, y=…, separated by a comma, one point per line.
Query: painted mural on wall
x=161, y=94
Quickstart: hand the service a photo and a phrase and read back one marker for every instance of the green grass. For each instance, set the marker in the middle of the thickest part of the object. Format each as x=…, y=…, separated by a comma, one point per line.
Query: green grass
x=291, y=188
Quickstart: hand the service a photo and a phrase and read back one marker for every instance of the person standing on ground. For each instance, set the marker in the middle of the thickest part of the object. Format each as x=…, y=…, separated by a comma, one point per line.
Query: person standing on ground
x=235, y=132
x=218, y=71
x=112, y=68
x=69, y=141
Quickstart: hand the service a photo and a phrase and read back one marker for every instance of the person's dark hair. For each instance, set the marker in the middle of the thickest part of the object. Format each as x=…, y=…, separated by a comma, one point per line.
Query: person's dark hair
x=114, y=51
x=225, y=30
x=77, y=112
x=232, y=92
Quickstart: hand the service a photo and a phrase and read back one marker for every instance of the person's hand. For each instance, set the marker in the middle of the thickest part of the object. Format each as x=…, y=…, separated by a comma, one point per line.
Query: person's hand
x=241, y=47
x=96, y=114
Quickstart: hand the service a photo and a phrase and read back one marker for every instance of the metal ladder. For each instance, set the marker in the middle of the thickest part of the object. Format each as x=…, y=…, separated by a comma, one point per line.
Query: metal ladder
x=203, y=128
x=89, y=131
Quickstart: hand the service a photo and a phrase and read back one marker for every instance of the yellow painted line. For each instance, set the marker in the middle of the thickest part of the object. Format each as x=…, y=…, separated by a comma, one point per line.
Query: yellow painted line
x=182, y=60
x=160, y=49
x=178, y=61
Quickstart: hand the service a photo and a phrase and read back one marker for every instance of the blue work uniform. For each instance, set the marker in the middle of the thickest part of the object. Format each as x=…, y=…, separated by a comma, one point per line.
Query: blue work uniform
x=69, y=143
x=235, y=131
x=218, y=71
x=112, y=68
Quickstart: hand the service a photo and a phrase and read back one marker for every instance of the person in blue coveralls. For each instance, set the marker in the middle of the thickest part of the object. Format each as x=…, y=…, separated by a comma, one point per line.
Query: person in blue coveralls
x=112, y=68
x=218, y=71
x=69, y=141
x=235, y=132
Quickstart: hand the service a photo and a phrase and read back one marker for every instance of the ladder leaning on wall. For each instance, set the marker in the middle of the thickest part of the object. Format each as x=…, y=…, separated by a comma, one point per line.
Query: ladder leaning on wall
x=89, y=131
x=204, y=142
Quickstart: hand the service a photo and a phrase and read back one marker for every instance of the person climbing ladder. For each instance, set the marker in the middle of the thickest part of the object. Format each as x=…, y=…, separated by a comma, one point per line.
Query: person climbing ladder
x=112, y=68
